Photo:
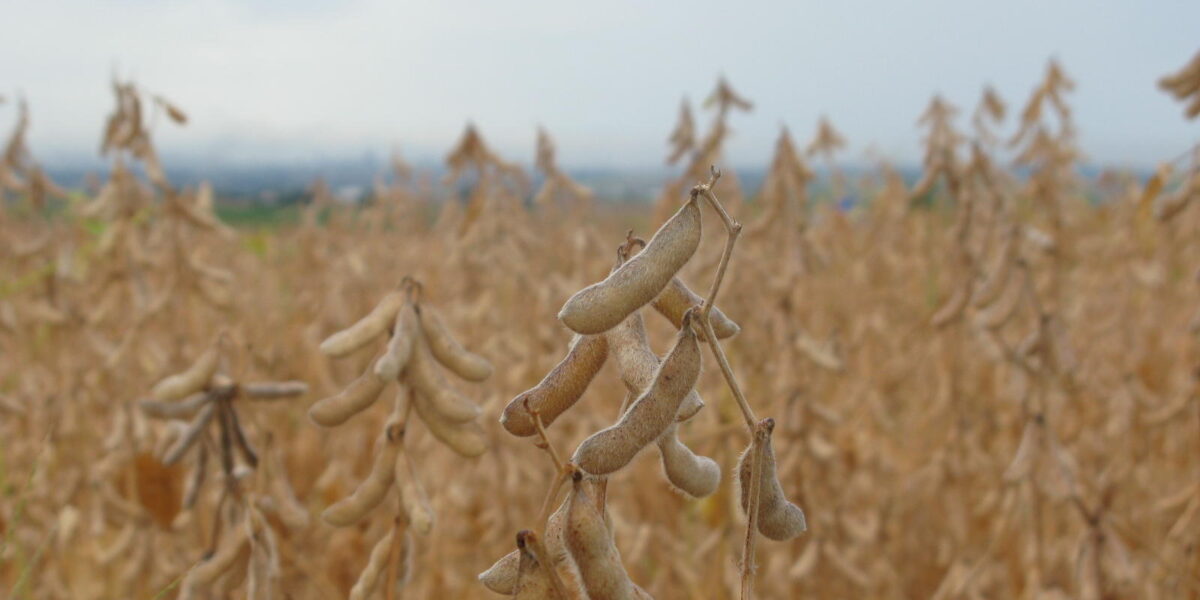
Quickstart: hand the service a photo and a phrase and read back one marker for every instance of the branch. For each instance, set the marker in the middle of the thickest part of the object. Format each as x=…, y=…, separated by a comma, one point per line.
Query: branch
x=761, y=432
x=733, y=228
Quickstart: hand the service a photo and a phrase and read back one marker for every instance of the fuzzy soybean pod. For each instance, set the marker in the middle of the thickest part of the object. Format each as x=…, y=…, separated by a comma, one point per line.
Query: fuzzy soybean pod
x=374, y=488
x=778, y=519
x=559, y=557
x=998, y=275
x=996, y=314
x=591, y=546
x=533, y=577
x=638, y=363
x=183, y=409
x=194, y=378
x=412, y=497
x=273, y=390
x=601, y=306
x=233, y=551
x=405, y=331
x=191, y=492
x=560, y=389
x=423, y=375
x=697, y=476
x=467, y=439
x=448, y=351
x=954, y=306
x=190, y=435
x=357, y=397
x=650, y=415
x=366, y=329
x=501, y=577
x=677, y=298
x=376, y=569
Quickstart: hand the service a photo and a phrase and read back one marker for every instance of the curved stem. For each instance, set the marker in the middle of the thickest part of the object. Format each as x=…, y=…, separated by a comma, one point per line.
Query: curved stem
x=761, y=431
x=733, y=229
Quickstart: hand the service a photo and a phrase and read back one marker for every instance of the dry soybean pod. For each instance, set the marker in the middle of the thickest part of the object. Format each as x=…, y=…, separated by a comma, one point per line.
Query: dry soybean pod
x=676, y=298
x=402, y=557
x=196, y=481
x=533, y=577
x=559, y=557
x=190, y=435
x=375, y=487
x=637, y=362
x=205, y=573
x=999, y=274
x=400, y=346
x=337, y=409
x=954, y=306
x=376, y=567
x=591, y=546
x=501, y=577
x=697, y=476
x=423, y=375
x=273, y=390
x=560, y=389
x=603, y=305
x=183, y=409
x=239, y=435
x=778, y=519
x=651, y=414
x=194, y=378
x=412, y=496
x=467, y=439
x=448, y=351
x=1005, y=306
x=366, y=329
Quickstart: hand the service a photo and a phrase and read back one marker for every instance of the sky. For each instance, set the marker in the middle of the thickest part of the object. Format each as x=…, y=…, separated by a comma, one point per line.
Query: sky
x=295, y=80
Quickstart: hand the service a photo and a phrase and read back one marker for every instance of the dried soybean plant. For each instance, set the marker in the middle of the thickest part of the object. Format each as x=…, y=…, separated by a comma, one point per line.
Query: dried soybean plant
x=941, y=149
x=497, y=185
x=558, y=188
x=683, y=137
x=607, y=319
x=1169, y=205
x=129, y=248
x=785, y=199
x=20, y=174
x=246, y=510
x=827, y=142
x=1184, y=85
x=1046, y=146
x=396, y=204
x=418, y=347
x=704, y=151
x=129, y=127
x=988, y=113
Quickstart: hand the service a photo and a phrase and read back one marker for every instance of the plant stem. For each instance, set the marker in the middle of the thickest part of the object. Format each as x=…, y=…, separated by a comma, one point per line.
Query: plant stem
x=541, y=431
x=733, y=229
x=756, y=467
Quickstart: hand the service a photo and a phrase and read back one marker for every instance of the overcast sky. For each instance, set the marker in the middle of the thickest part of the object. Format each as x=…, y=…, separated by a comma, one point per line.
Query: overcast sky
x=296, y=79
